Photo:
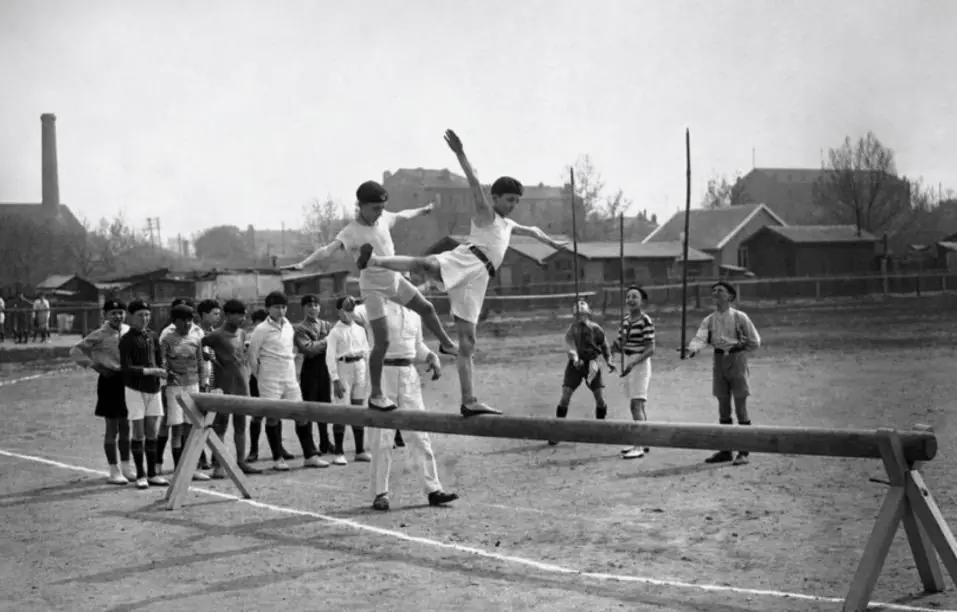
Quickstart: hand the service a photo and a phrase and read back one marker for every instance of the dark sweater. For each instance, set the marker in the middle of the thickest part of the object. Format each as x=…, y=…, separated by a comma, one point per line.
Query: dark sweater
x=139, y=350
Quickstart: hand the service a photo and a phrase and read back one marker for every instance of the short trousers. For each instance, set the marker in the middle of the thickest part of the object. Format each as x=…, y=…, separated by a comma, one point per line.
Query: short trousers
x=638, y=380
x=140, y=405
x=111, y=397
x=174, y=412
x=400, y=291
x=730, y=378
x=465, y=279
x=354, y=377
x=575, y=376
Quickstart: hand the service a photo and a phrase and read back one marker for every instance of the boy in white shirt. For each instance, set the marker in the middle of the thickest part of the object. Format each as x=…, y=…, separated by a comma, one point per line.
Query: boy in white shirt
x=346, y=350
x=466, y=270
x=371, y=230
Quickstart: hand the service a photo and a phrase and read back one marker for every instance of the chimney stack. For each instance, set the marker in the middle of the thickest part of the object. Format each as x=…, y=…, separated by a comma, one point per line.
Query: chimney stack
x=50, y=174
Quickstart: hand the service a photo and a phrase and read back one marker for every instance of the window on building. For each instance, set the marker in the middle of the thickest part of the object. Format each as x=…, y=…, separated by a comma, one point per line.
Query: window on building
x=743, y=257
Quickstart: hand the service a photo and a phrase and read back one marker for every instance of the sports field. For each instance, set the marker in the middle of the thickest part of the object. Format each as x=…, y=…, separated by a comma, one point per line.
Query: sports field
x=569, y=527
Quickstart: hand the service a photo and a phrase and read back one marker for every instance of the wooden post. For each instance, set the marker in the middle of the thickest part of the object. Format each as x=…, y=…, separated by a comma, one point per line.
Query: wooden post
x=907, y=501
x=200, y=436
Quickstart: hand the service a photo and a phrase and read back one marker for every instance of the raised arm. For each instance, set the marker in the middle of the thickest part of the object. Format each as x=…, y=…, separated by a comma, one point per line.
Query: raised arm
x=535, y=232
x=483, y=206
x=412, y=213
x=323, y=252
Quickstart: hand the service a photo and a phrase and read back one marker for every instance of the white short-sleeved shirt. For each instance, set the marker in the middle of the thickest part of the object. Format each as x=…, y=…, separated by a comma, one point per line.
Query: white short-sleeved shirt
x=379, y=236
x=493, y=239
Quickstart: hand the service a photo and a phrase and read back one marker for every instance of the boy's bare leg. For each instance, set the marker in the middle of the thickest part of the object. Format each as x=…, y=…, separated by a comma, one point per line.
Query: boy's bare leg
x=380, y=332
x=398, y=263
x=430, y=318
x=470, y=405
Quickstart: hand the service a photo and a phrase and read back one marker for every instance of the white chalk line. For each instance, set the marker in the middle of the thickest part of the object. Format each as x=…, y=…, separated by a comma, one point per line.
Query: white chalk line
x=13, y=381
x=541, y=566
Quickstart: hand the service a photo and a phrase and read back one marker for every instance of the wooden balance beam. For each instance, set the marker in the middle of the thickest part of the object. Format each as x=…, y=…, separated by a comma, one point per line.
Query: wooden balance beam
x=902, y=453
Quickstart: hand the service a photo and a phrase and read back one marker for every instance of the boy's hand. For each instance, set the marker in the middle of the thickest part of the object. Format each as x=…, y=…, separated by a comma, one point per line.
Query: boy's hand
x=295, y=266
x=338, y=389
x=428, y=208
x=434, y=366
x=452, y=139
x=611, y=367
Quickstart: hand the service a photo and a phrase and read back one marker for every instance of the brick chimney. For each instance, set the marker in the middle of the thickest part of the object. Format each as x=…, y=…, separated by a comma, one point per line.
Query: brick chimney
x=50, y=174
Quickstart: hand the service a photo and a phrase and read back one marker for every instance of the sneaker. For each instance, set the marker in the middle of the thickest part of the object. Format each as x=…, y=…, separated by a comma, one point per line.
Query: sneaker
x=439, y=498
x=249, y=469
x=200, y=476
x=128, y=472
x=219, y=473
x=157, y=481
x=552, y=443
x=252, y=457
x=116, y=476
x=142, y=483
x=364, y=457
x=720, y=457
x=381, y=403
x=340, y=460
x=158, y=468
x=741, y=459
x=475, y=408
x=315, y=462
x=632, y=453
x=381, y=502
x=287, y=455
x=280, y=465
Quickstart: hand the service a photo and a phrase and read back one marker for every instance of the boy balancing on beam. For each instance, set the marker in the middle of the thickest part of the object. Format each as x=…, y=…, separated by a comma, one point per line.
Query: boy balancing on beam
x=465, y=271
x=371, y=229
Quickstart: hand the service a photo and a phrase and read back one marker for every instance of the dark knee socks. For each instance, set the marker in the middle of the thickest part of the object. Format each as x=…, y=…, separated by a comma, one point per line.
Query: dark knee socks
x=601, y=411
x=359, y=435
x=338, y=437
x=324, y=442
x=304, y=433
x=255, y=428
x=110, y=449
x=161, y=449
x=136, y=446
x=274, y=438
x=150, y=448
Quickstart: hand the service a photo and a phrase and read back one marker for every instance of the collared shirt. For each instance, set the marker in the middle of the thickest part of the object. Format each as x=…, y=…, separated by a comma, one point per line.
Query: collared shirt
x=726, y=330
x=230, y=368
x=272, y=350
x=310, y=337
x=635, y=335
x=405, y=333
x=182, y=358
x=140, y=349
x=587, y=338
x=344, y=341
x=100, y=347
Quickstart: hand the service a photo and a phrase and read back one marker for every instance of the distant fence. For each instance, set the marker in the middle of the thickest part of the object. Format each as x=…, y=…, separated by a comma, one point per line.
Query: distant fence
x=81, y=318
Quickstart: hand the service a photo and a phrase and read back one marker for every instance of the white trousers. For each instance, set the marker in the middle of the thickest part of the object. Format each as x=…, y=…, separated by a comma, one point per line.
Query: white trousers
x=402, y=386
x=353, y=377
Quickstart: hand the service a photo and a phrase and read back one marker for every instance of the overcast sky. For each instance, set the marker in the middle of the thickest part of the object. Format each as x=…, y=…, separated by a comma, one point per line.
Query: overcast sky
x=211, y=112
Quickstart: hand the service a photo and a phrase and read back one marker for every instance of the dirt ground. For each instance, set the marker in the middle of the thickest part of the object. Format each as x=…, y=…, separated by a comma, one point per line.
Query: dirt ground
x=570, y=527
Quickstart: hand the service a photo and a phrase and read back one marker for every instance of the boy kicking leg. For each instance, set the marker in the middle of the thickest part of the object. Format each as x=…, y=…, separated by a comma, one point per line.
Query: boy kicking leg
x=465, y=271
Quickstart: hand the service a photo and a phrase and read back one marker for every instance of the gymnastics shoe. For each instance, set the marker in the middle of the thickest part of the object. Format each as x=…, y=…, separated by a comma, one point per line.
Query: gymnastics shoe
x=381, y=502
x=117, y=477
x=476, y=408
x=365, y=254
x=128, y=471
x=439, y=498
x=381, y=403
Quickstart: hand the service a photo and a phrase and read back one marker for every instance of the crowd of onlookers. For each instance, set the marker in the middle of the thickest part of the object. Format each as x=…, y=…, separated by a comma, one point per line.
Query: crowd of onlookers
x=26, y=319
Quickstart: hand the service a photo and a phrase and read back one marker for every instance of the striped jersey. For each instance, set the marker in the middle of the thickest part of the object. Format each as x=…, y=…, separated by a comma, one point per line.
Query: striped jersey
x=635, y=335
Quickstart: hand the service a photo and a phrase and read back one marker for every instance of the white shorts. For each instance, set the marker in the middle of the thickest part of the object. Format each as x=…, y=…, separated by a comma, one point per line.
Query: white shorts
x=174, y=412
x=354, y=377
x=279, y=389
x=465, y=279
x=637, y=382
x=375, y=294
x=140, y=405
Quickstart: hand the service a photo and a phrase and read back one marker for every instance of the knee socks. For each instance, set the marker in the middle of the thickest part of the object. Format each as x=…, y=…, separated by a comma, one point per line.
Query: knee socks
x=359, y=435
x=561, y=412
x=136, y=446
x=274, y=438
x=150, y=448
x=110, y=449
x=255, y=428
x=338, y=437
x=304, y=433
x=601, y=411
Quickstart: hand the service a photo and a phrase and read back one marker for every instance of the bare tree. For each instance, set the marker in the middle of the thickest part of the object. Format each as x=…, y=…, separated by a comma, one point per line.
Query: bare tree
x=722, y=193
x=323, y=219
x=860, y=186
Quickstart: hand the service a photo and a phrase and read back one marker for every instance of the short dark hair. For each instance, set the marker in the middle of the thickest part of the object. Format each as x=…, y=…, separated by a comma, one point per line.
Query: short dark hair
x=309, y=298
x=371, y=192
x=276, y=298
x=507, y=185
x=234, y=306
x=259, y=315
x=183, y=300
x=181, y=312
x=207, y=306
x=342, y=301
x=641, y=292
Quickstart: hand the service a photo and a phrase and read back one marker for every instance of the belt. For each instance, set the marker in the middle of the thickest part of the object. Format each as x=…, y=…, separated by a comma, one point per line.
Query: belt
x=484, y=259
x=730, y=351
x=351, y=358
x=397, y=363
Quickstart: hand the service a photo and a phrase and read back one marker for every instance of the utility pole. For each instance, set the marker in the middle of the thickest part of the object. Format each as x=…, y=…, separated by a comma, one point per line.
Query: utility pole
x=149, y=229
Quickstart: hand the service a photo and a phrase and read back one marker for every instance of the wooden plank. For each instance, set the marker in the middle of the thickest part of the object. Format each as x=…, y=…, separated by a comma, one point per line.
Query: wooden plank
x=933, y=522
x=875, y=553
x=917, y=446
x=183, y=475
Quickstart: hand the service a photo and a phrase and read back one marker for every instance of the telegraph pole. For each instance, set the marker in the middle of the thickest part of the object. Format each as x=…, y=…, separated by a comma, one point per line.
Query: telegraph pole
x=149, y=229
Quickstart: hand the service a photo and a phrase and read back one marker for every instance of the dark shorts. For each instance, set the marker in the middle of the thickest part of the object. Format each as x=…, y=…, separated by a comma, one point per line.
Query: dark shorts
x=730, y=377
x=111, y=397
x=574, y=377
x=253, y=387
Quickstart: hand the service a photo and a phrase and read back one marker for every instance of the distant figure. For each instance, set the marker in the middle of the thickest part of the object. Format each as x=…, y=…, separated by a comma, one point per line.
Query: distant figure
x=3, y=319
x=41, y=317
x=636, y=341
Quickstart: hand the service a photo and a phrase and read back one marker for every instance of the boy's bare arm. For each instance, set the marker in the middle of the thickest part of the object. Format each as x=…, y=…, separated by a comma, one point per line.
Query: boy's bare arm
x=412, y=213
x=483, y=207
x=323, y=252
x=535, y=232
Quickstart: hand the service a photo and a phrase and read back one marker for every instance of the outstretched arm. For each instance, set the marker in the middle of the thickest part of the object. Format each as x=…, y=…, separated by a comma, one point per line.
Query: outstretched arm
x=323, y=252
x=535, y=232
x=412, y=213
x=483, y=207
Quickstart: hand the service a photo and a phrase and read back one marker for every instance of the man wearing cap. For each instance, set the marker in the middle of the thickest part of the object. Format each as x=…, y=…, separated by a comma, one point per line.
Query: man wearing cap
x=100, y=351
x=272, y=360
x=141, y=357
x=732, y=335
x=370, y=233
x=401, y=383
x=314, y=381
x=636, y=341
x=585, y=342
